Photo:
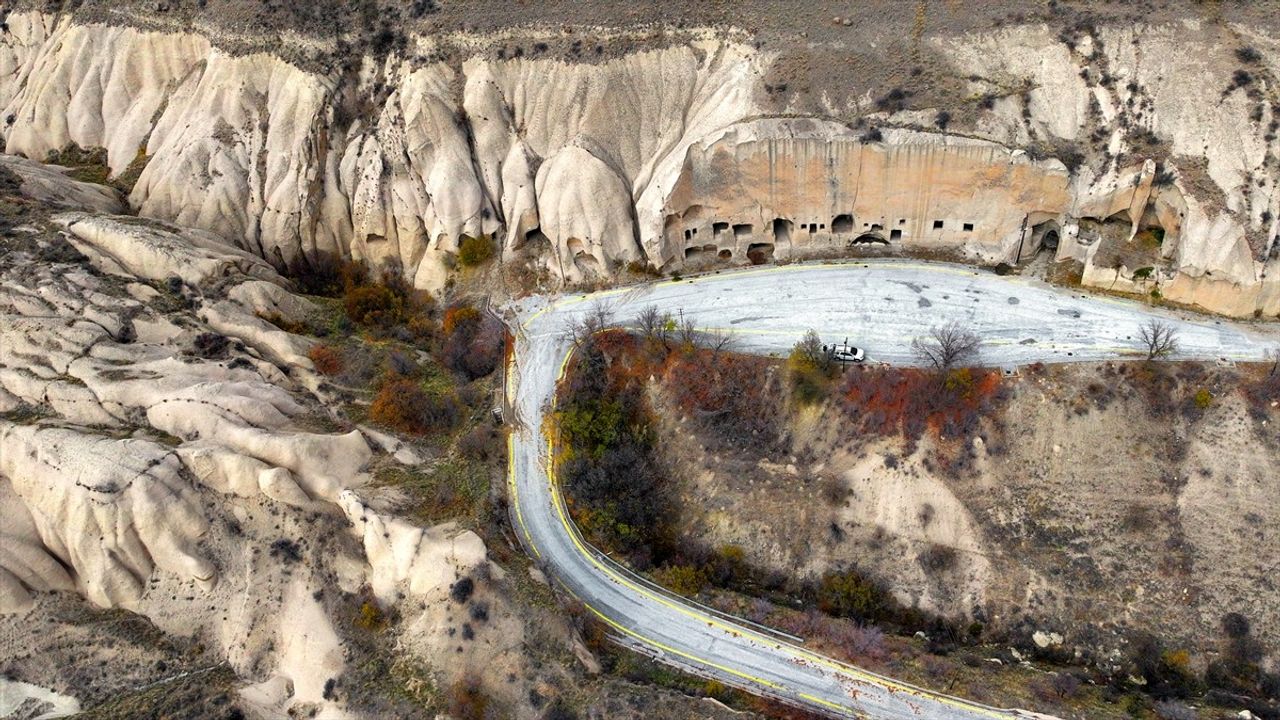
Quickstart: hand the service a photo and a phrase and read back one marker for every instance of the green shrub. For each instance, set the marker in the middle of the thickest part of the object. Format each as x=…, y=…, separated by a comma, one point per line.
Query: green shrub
x=681, y=579
x=371, y=617
x=475, y=251
x=848, y=594
x=809, y=367
x=86, y=164
x=1203, y=398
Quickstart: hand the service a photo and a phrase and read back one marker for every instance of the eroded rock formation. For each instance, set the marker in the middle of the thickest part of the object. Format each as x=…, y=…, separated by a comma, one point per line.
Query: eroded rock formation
x=612, y=162
x=158, y=454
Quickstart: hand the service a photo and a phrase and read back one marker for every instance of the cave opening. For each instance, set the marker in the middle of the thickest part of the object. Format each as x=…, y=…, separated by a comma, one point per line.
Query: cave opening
x=1045, y=235
x=782, y=230
x=537, y=238
x=842, y=224
x=742, y=231
x=760, y=253
x=869, y=238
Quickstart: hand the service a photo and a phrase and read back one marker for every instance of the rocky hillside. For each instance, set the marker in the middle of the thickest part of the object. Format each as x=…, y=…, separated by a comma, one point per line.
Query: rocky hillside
x=1148, y=152
x=166, y=451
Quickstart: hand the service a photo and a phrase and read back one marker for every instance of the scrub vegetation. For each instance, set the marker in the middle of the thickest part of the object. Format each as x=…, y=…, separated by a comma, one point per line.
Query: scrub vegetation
x=626, y=393
x=402, y=361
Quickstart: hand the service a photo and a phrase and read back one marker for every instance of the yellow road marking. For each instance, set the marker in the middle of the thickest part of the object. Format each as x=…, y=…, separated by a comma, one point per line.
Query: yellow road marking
x=847, y=670
x=711, y=621
x=515, y=492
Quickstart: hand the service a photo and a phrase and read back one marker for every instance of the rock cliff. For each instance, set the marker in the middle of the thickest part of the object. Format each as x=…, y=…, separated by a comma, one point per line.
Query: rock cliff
x=1148, y=153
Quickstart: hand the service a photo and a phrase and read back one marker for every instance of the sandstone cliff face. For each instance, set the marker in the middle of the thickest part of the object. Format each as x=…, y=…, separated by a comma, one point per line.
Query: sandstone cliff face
x=622, y=160
x=787, y=187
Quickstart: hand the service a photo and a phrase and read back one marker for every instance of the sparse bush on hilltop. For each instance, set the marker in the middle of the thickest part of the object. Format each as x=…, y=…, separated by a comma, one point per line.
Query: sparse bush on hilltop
x=1248, y=54
x=467, y=700
x=473, y=251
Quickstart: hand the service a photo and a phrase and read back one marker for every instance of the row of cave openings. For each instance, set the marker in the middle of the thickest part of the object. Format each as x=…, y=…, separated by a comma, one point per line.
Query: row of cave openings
x=783, y=231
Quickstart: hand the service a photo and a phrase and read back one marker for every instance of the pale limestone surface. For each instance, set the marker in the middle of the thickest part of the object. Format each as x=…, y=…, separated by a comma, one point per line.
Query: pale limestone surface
x=143, y=476
x=51, y=186
x=398, y=163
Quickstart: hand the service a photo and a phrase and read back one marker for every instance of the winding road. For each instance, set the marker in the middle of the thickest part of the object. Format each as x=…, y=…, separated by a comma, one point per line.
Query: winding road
x=877, y=305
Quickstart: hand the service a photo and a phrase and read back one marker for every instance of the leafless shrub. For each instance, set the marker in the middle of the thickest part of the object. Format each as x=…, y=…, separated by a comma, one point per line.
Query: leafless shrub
x=1065, y=685
x=582, y=329
x=1159, y=339
x=718, y=342
x=655, y=327
x=947, y=346
x=862, y=642
x=686, y=333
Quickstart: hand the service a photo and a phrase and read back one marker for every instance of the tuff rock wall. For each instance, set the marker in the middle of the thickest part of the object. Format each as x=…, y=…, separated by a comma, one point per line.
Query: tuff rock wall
x=608, y=163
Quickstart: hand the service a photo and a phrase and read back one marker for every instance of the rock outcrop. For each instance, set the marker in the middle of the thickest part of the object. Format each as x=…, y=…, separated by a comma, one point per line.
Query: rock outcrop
x=158, y=454
x=620, y=161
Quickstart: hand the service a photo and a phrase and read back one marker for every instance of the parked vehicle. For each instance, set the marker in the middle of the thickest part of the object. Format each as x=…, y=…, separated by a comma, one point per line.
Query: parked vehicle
x=847, y=353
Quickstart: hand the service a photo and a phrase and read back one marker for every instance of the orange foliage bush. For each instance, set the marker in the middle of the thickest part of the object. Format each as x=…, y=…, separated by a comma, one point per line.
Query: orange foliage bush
x=328, y=360
x=458, y=316
x=372, y=305
x=404, y=405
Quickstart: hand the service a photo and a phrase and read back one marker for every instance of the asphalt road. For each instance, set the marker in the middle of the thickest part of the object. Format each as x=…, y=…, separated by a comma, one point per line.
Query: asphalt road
x=879, y=306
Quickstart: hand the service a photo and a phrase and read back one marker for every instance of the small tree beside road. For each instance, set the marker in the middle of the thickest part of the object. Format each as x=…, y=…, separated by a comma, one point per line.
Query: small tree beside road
x=809, y=367
x=1159, y=339
x=582, y=329
x=947, y=347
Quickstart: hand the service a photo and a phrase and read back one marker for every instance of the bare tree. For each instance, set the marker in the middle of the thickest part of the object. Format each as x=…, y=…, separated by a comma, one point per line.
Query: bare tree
x=656, y=326
x=947, y=346
x=582, y=329
x=718, y=342
x=686, y=333
x=1158, y=338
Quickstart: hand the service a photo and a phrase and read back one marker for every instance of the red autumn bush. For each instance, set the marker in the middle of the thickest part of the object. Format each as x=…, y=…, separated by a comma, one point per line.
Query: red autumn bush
x=891, y=401
x=731, y=394
x=328, y=361
x=403, y=404
x=473, y=342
